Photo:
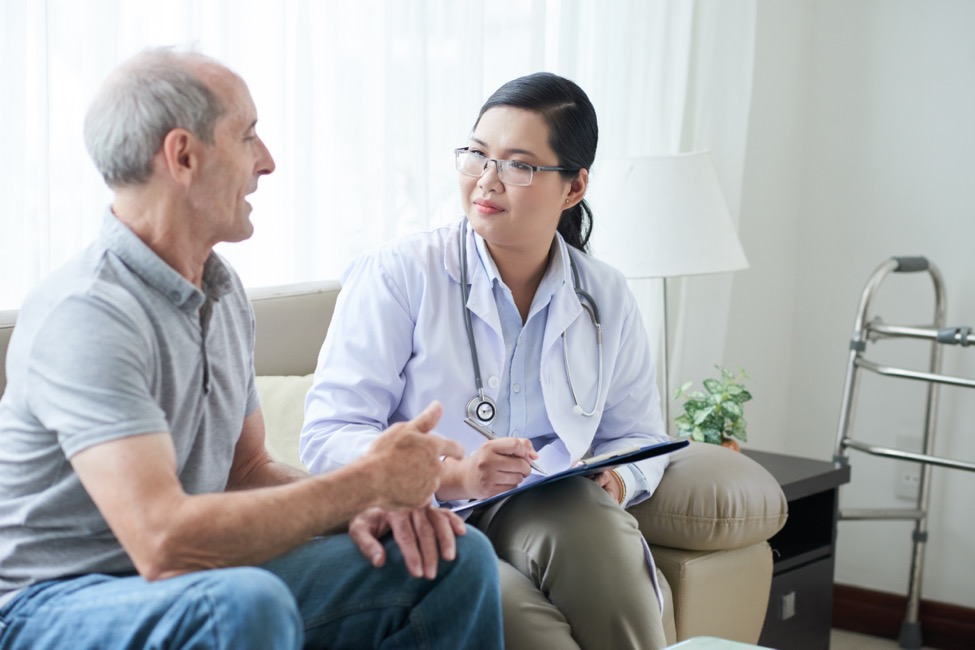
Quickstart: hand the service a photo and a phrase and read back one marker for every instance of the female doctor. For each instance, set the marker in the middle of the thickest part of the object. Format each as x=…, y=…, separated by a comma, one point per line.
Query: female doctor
x=540, y=358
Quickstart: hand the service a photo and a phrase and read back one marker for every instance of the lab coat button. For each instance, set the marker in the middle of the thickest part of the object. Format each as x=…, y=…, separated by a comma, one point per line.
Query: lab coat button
x=516, y=388
x=493, y=382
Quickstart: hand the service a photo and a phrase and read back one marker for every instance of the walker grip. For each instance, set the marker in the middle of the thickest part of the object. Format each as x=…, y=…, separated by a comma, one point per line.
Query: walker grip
x=910, y=264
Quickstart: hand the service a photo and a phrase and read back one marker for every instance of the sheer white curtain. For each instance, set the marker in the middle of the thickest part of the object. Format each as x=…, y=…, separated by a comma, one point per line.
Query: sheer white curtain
x=361, y=104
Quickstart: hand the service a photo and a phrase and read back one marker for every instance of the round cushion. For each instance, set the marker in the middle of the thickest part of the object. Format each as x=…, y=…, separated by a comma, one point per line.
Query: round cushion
x=712, y=498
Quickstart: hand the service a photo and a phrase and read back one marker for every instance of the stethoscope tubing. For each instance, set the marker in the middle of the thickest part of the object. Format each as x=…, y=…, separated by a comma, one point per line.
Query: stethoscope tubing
x=481, y=408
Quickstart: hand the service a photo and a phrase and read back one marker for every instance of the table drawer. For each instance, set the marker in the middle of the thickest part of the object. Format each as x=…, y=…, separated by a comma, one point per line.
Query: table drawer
x=800, y=608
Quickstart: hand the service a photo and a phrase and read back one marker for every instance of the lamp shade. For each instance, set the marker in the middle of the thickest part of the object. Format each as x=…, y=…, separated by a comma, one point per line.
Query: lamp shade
x=663, y=216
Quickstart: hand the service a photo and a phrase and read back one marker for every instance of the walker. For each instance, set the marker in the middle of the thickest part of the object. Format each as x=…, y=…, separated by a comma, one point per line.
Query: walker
x=868, y=332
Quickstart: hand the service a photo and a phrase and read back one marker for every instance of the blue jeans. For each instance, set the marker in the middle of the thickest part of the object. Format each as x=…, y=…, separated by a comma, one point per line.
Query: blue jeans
x=323, y=594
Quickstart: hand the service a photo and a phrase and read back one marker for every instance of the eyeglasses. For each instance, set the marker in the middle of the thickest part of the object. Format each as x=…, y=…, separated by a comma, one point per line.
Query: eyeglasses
x=510, y=172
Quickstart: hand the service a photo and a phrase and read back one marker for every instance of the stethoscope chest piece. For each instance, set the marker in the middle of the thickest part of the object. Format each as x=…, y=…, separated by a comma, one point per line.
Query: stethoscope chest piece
x=481, y=408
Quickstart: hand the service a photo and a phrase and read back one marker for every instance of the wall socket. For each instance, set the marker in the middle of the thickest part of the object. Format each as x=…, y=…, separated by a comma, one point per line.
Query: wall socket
x=907, y=474
x=907, y=480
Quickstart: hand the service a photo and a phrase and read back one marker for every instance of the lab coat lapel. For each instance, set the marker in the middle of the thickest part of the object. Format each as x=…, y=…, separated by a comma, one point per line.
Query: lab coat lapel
x=564, y=308
x=481, y=299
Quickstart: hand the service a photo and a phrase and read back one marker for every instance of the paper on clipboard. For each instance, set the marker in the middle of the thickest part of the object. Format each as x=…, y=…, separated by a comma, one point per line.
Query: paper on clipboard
x=586, y=467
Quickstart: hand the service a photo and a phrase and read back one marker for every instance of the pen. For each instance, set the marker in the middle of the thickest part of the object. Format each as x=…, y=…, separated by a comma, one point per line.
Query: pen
x=487, y=433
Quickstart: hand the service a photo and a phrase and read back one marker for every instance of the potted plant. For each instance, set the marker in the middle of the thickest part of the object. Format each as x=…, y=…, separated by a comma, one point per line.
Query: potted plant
x=715, y=416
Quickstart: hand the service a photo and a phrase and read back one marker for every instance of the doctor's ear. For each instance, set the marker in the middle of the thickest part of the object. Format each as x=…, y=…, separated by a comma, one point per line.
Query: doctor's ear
x=577, y=188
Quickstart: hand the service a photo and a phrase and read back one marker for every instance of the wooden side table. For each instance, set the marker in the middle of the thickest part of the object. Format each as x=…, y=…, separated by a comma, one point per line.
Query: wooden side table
x=800, y=607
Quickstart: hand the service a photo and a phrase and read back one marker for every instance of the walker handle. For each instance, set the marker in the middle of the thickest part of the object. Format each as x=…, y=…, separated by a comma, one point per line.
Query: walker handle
x=910, y=264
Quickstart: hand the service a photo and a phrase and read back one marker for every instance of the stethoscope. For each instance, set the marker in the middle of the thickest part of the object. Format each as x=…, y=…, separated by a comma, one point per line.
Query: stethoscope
x=481, y=409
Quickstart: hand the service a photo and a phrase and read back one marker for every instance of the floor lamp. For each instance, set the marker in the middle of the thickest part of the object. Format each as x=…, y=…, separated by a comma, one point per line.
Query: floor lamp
x=663, y=217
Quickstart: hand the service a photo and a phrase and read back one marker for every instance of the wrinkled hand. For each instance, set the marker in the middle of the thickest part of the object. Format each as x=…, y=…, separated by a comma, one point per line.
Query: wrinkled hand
x=608, y=482
x=410, y=459
x=496, y=466
x=423, y=535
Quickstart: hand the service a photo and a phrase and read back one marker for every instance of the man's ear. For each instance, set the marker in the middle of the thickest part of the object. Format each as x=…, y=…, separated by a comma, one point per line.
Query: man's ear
x=180, y=155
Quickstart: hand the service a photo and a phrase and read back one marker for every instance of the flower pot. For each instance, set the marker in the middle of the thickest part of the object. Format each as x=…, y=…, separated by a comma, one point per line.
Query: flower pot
x=731, y=443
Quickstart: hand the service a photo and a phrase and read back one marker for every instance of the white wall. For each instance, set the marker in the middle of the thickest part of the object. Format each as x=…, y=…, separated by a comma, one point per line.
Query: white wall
x=861, y=143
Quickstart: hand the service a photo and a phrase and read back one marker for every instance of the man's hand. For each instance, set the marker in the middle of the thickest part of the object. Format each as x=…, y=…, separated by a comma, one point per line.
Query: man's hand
x=423, y=535
x=410, y=460
x=496, y=466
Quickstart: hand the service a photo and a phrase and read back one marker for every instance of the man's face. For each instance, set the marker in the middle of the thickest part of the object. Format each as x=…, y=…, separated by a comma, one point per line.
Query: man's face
x=231, y=164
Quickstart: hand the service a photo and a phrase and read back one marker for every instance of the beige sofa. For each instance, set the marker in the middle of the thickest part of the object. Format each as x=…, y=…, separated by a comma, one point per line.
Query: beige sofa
x=707, y=523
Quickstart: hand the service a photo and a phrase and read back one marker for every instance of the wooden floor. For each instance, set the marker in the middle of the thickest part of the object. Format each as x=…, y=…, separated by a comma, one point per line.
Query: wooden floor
x=843, y=640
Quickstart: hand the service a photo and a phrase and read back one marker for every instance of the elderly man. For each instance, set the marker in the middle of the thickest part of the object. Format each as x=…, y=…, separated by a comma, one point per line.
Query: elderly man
x=138, y=505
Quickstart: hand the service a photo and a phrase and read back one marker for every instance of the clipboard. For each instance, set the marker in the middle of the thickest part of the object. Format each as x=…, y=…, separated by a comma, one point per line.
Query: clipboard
x=586, y=467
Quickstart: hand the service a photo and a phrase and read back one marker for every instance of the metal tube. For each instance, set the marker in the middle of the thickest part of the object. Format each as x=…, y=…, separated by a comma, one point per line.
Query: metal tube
x=866, y=514
x=877, y=329
x=858, y=343
x=887, y=452
x=910, y=628
x=905, y=373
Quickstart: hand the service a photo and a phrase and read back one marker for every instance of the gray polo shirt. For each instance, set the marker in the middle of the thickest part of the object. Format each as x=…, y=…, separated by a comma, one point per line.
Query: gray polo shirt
x=114, y=344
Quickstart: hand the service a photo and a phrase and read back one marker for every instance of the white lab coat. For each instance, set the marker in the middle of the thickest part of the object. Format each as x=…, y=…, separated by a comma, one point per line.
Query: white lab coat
x=397, y=341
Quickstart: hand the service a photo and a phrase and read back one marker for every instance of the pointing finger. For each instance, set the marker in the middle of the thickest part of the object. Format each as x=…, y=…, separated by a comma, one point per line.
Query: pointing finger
x=428, y=419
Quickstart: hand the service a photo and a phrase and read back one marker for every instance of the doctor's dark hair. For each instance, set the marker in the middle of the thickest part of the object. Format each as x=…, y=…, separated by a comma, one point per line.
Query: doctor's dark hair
x=573, y=134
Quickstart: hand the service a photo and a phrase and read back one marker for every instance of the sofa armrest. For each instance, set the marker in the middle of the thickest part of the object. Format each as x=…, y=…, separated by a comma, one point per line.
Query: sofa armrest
x=712, y=498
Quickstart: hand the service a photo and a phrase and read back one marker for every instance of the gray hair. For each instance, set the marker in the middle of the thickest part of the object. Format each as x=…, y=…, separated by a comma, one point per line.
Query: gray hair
x=151, y=94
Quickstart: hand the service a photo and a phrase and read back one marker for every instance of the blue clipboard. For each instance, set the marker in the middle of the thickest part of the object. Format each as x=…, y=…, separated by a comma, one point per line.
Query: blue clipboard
x=586, y=467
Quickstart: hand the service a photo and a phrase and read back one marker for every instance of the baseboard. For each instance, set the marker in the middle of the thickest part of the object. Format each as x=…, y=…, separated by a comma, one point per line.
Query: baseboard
x=878, y=613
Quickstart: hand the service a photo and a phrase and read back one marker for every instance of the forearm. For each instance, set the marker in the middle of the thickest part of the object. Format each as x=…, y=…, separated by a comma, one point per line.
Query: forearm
x=268, y=474
x=250, y=527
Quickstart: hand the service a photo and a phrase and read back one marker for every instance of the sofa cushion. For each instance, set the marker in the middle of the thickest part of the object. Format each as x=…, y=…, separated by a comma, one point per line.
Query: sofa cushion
x=712, y=498
x=283, y=404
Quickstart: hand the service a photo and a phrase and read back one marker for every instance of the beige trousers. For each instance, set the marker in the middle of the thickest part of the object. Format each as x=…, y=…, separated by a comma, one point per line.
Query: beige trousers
x=573, y=570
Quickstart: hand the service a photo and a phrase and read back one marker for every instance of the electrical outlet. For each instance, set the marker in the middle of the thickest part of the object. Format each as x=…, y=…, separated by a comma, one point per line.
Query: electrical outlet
x=907, y=475
x=907, y=480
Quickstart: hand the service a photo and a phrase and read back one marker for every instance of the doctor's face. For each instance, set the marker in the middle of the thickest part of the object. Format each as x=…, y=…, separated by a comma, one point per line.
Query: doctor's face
x=512, y=217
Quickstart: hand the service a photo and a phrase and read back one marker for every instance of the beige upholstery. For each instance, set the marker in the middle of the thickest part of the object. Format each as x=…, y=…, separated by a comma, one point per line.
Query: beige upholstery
x=702, y=505
x=707, y=522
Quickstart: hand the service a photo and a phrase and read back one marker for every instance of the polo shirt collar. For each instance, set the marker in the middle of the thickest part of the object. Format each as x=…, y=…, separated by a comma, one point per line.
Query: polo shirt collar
x=118, y=239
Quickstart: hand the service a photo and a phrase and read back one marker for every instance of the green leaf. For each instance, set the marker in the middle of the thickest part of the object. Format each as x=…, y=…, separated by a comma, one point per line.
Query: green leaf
x=712, y=436
x=732, y=409
x=702, y=415
x=713, y=386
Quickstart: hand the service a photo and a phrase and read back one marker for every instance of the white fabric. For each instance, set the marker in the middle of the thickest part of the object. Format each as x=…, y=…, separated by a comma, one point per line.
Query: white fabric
x=361, y=104
x=398, y=340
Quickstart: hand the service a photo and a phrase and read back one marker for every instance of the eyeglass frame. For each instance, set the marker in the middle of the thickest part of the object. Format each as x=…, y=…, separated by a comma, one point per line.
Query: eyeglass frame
x=497, y=166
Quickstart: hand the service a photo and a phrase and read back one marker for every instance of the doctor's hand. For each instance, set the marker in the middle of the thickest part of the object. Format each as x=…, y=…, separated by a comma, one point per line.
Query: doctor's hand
x=612, y=482
x=407, y=460
x=423, y=535
x=496, y=466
